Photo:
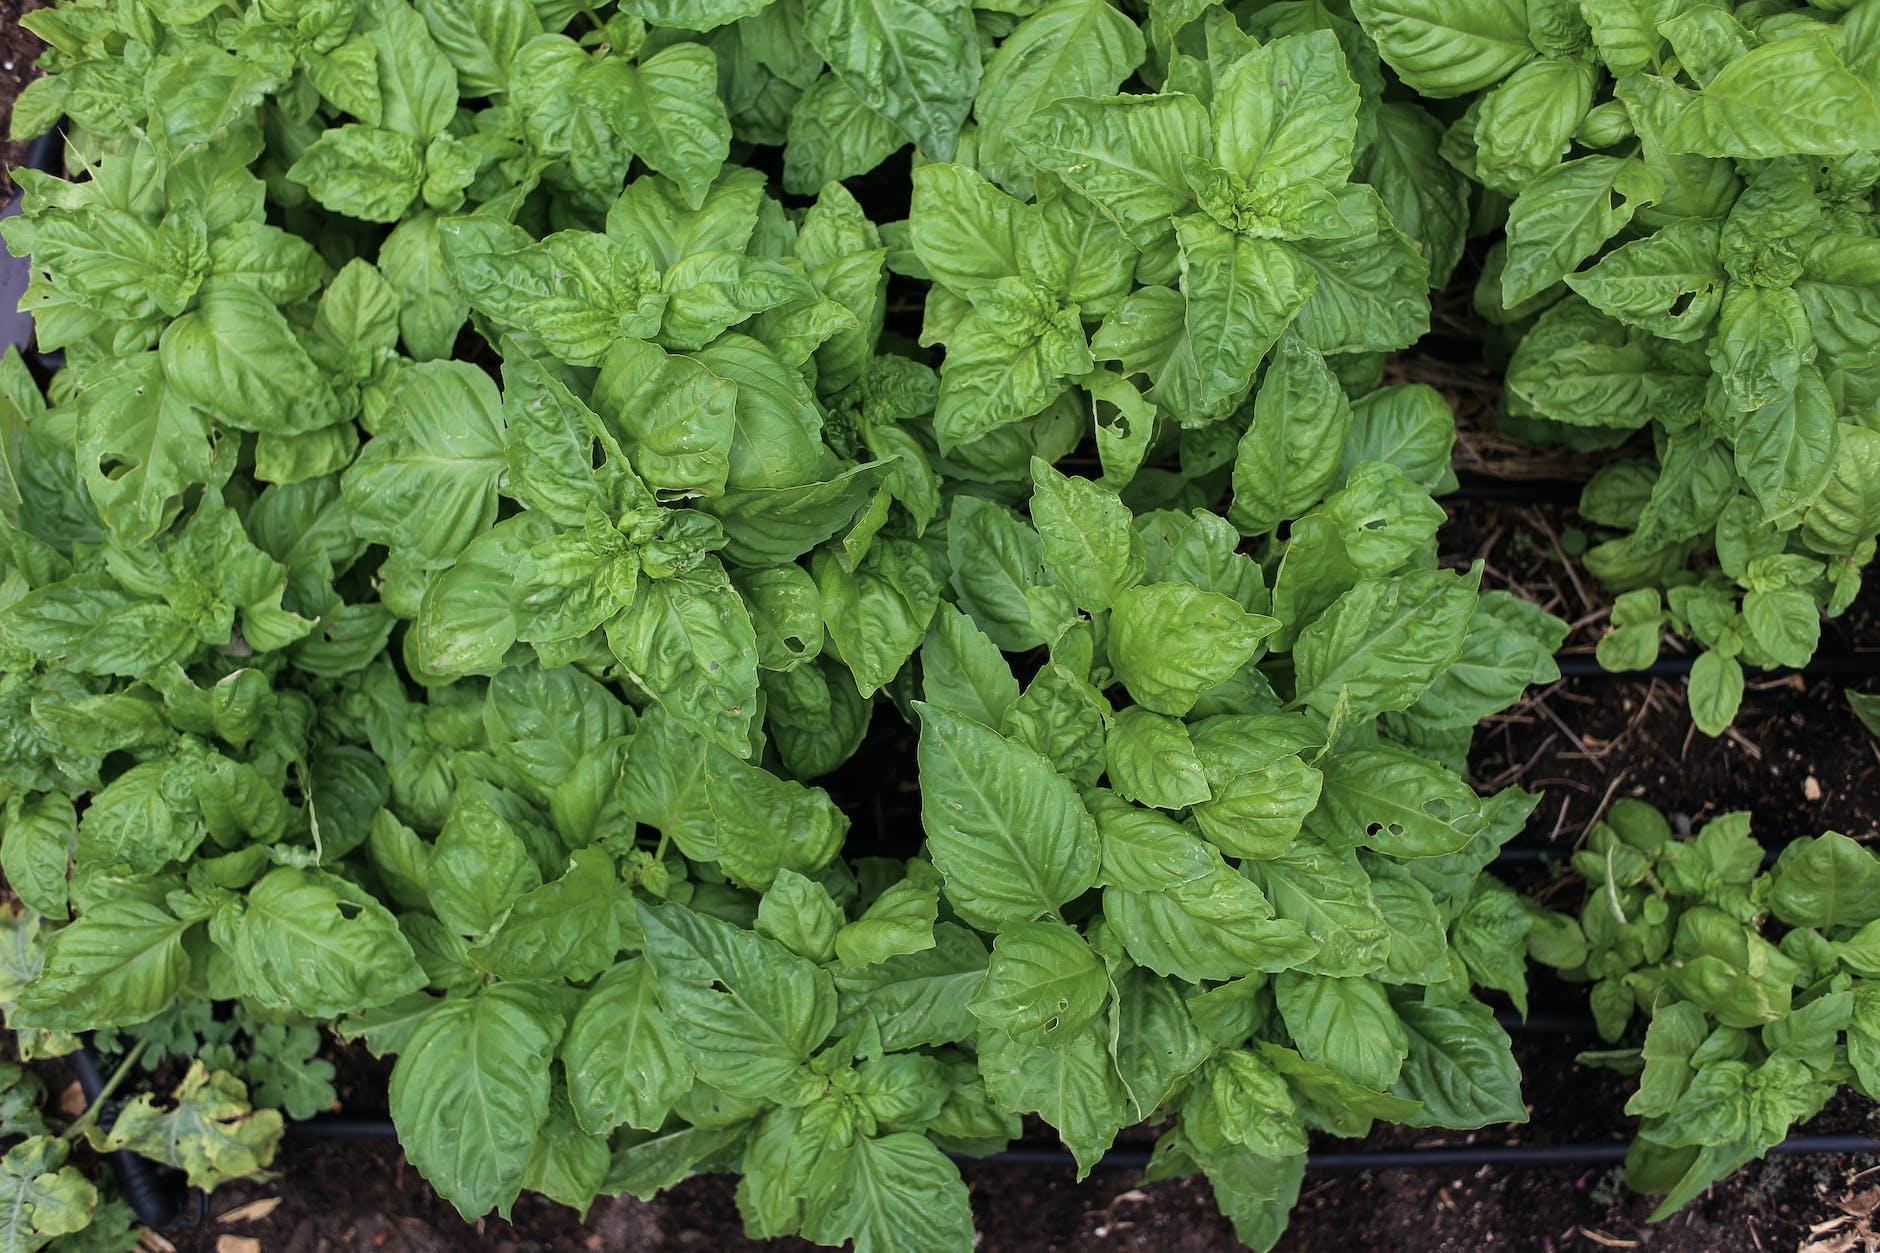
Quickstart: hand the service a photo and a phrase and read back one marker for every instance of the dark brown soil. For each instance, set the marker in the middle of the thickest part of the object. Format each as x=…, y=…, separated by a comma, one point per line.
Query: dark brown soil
x=1796, y=758
x=19, y=51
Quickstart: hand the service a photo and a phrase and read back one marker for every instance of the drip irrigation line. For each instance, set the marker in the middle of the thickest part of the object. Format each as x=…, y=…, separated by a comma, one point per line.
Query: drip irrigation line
x=156, y=1196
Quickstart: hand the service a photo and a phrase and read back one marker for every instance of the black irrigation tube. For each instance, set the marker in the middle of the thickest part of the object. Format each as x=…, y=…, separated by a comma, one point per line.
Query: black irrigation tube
x=155, y=1194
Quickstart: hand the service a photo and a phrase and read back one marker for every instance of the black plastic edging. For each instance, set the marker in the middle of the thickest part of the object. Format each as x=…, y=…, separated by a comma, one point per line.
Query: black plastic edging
x=158, y=1202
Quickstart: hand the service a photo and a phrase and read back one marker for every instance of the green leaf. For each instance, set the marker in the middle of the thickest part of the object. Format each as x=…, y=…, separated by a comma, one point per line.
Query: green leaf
x=898, y=922
x=481, y=38
x=1443, y=49
x=1170, y=642
x=313, y=943
x=833, y=135
x=1291, y=452
x=749, y=1011
x=576, y=291
x=1287, y=111
x=122, y=962
x=1072, y=1084
x=1045, y=984
x=993, y=557
x=1669, y=283
x=920, y=997
x=1151, y=759
x=1791, y=95
x=35, y=839
x=568, y=1164
x=1124, y=153
x=962, y=670
x=624, y=1064
x=1866, y=707
x=236, y=357
x=689, y=642
x=1829, y=881
x=1327, y=892
x=565, y=929
x=1459, y=1066
x=877, y=614
x=426, y=486
x=1563, y=217
x=915, y=62
x=668, y=110
x=798, y=913
x=362, y=172
x=470, y=1093
x=1785, y=449
x=1068, y=48
x=1382, y=644
x=1397, y=802
x=887, y=1193
x=479, y=867
x=1241, y=293
x=141, y=444
x=675, y=416
x=1090, y=545
x=1007, y=832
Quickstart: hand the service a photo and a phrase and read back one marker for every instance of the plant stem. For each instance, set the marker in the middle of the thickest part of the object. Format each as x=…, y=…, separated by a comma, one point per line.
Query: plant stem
x=111, y=1085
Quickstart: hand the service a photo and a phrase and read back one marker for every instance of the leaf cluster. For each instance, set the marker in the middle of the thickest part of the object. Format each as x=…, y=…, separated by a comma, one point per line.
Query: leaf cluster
x=1760, y=987
x=483, y=499
x=1689, y=268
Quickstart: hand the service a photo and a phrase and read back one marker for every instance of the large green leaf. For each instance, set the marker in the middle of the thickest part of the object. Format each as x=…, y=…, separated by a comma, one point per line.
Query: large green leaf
x=747, y=1010
x=470, y=1092
x=313, y=943
x=1459, y=1066
x=915, y=62
x=1004, y=828
x=624, y=1064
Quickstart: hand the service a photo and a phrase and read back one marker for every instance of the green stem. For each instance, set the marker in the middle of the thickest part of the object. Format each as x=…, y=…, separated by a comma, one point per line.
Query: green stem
x=111, y=1085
